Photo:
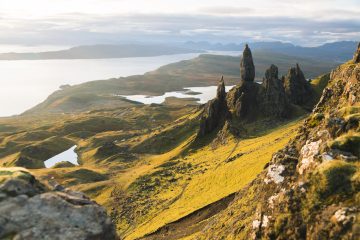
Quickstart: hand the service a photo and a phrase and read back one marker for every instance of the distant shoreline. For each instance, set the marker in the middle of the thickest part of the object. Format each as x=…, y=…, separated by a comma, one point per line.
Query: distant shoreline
x=100, y=52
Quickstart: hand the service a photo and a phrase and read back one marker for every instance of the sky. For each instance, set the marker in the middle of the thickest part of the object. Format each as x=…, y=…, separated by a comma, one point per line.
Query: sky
x=76, y=22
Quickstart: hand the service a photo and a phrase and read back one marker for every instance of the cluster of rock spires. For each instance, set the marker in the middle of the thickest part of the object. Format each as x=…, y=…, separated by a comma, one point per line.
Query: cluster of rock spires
x=250, y=101
x=31, y=210
x=310, y=189
x=297, y=89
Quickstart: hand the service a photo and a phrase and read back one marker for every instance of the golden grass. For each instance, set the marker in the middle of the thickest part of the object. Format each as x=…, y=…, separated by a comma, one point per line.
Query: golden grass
x=221, y=178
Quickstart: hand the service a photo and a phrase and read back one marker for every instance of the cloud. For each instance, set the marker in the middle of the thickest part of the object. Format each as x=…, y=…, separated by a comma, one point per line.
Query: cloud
x=226, y=10
x=77, y=28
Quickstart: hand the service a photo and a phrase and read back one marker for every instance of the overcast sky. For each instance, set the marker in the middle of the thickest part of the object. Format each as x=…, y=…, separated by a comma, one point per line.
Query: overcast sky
x=75, y=22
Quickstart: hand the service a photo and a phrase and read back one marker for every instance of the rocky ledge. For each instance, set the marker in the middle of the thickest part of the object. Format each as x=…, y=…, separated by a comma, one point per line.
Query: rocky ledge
x=31, y=210
x=357, y=55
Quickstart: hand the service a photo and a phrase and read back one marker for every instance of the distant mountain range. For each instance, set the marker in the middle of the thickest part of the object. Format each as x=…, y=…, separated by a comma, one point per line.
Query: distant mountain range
x=335, y=52
x=101, y=51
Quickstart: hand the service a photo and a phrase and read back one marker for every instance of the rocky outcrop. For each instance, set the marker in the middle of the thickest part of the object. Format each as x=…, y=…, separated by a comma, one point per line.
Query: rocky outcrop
x=247, y=68
x=250, y=101
x=274, y=101
x=310, y=188
x=356, y=58
x=215, y=111
x=31, y=210
x=297, y=89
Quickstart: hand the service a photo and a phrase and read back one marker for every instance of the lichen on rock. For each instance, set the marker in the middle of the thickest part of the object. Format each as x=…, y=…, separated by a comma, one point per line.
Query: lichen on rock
x=308, y=153
x=274, y=174
x=31, y=210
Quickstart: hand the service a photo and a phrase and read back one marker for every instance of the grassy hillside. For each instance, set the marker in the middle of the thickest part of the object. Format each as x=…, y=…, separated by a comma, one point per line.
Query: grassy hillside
x=145, y=163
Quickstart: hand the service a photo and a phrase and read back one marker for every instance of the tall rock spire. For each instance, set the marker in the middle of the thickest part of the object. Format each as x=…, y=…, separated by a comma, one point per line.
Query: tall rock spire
x=221, y=93
x=247, y=68
x=357, y=55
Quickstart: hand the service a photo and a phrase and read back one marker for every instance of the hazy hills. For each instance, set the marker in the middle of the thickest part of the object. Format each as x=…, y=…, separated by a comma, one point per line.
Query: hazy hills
x=337, y=51
x=101, y=51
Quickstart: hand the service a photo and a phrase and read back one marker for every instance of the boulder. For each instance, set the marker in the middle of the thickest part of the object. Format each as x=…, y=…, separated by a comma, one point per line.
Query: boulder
x=247, y=68
x=31, y=210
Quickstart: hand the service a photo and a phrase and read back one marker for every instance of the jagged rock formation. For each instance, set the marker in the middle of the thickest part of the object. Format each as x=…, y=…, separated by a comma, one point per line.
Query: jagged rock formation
x=215, y=111
x=356, y=58
x=247, y=68
x=297, y=89
x=30, y=210
x=249, y=100
x=243, y=100
x=274, y=102
x=310, y=189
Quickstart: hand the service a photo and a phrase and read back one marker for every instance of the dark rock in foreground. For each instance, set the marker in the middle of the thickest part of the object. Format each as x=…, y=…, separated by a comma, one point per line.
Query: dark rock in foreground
x=29, y=210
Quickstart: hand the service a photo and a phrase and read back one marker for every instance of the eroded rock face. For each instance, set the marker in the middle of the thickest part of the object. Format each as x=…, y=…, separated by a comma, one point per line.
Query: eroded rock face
x=221, y=92
x=215, y=111
x=30, y=210
x=356, y=58
x=297, y=89
x=247, y=68
x=274, y=101
x=243, y=100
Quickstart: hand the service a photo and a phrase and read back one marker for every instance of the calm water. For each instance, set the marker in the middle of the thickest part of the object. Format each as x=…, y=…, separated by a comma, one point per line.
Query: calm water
x=205, y=94
x=66, y=156
x=25, y=83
